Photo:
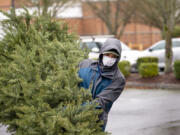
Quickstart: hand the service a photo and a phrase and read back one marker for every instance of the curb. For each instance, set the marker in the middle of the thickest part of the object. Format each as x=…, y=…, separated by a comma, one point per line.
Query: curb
x=153, y=85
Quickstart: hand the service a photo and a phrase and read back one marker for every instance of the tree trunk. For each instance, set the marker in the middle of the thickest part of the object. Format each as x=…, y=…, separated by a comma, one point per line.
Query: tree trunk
x=163, y=33
x=121, y=31
x=12, y=4
x=111, y=30
x=46, y=4
x=168, y=52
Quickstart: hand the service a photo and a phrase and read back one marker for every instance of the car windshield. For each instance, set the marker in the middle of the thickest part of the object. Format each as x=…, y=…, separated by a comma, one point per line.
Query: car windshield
x=98, y=45
x=158, y=46
x=161, y=45
x=91, y=45
x=176, y=44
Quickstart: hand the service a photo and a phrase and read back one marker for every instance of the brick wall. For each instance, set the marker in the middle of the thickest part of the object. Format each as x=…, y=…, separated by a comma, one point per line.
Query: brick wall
x=5, y=4
x=140, y=34
x=134, y=33
x=75, y=25
x=89, y=24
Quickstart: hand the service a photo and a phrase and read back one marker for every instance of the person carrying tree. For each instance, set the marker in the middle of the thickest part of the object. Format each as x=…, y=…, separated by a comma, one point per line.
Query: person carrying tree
x=107, y=80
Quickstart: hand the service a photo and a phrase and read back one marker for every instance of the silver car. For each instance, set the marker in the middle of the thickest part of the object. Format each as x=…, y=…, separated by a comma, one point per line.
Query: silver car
x=94, y=43
x=158, y=50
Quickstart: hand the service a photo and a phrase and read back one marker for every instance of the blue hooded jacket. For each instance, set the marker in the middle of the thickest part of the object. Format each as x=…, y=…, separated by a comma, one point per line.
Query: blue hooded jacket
x=107, y=82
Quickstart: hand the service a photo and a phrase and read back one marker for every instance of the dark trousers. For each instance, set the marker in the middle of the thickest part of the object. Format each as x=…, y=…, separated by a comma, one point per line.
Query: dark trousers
x=103, y=117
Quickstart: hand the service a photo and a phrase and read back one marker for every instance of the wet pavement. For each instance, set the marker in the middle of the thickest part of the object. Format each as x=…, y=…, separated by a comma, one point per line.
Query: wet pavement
x=3, y=130
x=143, y=112
x=146, y=112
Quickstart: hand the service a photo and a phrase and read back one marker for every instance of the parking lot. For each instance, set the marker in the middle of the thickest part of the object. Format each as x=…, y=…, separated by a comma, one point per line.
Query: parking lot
x=143, y=112
x=146, y=112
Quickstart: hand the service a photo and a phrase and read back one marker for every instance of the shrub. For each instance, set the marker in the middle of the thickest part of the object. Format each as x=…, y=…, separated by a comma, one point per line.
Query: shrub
x=124, y=67
x=147, y=59
x=176, y=31
x=148, y=70
x=177, y=69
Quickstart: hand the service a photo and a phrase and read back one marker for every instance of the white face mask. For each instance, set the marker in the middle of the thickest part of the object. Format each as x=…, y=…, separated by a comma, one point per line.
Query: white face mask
x=108, y=61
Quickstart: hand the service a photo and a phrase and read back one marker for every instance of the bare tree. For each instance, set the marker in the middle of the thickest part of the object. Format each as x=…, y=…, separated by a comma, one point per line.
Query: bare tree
x=116, y=14
x=12, y=4
x=52, y=7
x=164, y=15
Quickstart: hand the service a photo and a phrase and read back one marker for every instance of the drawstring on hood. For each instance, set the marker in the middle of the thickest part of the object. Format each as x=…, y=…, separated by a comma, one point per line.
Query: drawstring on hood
x=110, y=44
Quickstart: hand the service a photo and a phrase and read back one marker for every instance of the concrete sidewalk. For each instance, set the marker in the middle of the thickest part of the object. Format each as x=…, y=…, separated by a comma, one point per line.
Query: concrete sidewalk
x=152, y=85
x=3, y=130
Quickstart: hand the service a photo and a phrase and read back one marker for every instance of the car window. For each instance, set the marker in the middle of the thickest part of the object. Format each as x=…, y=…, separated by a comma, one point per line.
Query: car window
x=91, y=45
x=176, y=43
x=99, y=44
x=159, y=46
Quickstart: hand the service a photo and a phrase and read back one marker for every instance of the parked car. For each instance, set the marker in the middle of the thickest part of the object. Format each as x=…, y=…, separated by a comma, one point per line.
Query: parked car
x=94, y=43
x=158, y=50
x=2, y=17
x=131, y=56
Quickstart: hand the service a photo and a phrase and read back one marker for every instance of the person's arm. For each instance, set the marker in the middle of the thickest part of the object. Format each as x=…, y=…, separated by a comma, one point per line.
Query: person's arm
x=110, y=93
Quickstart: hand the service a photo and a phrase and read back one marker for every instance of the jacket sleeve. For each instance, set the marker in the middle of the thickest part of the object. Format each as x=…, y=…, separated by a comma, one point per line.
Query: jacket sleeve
x=110, y=93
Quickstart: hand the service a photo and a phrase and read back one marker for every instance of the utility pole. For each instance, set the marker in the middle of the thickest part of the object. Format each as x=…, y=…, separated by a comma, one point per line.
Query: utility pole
x=12, y=3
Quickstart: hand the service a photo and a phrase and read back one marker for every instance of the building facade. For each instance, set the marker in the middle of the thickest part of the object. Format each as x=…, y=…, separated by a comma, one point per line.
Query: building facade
x=84, y=22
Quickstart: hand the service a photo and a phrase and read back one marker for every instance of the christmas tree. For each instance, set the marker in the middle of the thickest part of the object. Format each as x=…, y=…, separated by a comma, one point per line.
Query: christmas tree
x=39, y=93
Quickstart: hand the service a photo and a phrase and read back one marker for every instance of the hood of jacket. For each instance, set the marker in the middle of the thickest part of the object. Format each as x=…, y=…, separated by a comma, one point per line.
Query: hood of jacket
x=110, y=44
